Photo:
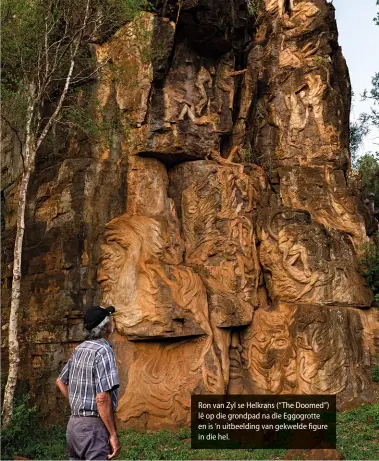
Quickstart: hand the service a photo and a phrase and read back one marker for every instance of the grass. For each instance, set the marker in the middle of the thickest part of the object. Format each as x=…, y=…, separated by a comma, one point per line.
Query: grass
x=358, y=432
x=169, y=445
x=357, y=438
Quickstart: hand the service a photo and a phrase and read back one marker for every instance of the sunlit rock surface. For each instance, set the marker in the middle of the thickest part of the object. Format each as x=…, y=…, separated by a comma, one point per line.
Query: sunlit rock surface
x=222, y=220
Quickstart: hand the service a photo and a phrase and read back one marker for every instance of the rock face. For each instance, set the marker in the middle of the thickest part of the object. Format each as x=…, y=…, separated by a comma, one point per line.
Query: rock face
x=222, y=222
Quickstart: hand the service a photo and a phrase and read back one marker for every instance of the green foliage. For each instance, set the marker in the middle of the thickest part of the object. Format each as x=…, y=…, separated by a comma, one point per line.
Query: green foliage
x=39, y=38
x=320, y=60
x=25, y=436
x=84, y=113
x=21, y=24
x=373, y=95
x=369, y=267
x=358, y=130
x=177, y=445
x=245, y=154
x=375, y=372
x=357, y=432
x=254, y=7
x=356, y=439
x=368, y=166
x=144, y=41
x=128, y=9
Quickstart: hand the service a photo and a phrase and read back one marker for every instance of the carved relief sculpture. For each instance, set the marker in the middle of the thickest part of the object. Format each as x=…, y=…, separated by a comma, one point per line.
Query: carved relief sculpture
x=284, y=351
x=305, y=263
x=250, y=268
x=221, y=219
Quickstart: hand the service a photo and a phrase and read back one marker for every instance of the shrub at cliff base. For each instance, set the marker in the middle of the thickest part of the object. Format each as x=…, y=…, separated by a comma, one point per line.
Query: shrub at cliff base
x=375, y=371
x=369, y=267
x=25, y=436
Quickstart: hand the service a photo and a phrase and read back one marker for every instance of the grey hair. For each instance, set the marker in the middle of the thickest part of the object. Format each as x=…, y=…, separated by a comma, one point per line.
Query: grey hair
x=97, y=332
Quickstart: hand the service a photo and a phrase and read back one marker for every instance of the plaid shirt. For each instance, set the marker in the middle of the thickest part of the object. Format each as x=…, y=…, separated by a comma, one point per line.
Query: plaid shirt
x=90, y=370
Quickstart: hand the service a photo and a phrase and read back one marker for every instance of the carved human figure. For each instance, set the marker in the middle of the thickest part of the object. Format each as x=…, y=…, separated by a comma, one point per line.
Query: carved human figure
x=189, y=109
x=201, y=240
x=280, y=5
x=292, y=250
x=168, y=119
x=292, y=56
x=229, y=206
x=342, y=203
x=343, y=207
x=303, y=350
x=326, y=358
x=247, y=190
x=217, y=157
x=302, y=19
x=220, y=242
x=242, y=180
x=314, y=99
x=225, y=83
x=246, y=259
x=268, y=353
x=274, y=119
x=298, y=118
x=203, y=78
x=304, y=10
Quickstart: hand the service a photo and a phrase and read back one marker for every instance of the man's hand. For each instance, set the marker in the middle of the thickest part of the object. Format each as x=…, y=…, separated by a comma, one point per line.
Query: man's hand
x=115, y=446
x=104, y=405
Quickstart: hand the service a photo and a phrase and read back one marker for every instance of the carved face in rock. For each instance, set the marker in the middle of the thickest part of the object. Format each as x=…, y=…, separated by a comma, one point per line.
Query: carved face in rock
x=153, y=298
x=129, y=257
x=268, y=352
x=324, y=362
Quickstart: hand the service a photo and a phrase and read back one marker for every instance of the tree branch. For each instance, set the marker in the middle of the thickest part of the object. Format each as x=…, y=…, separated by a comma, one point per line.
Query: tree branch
x=15, y=131
x=68, y=80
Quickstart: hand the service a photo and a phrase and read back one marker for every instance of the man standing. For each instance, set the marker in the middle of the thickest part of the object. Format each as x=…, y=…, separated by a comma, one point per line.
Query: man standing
x=89, y=380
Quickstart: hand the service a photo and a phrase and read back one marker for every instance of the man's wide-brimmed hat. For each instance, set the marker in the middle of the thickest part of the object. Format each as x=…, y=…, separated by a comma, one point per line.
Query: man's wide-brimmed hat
x=95, y=315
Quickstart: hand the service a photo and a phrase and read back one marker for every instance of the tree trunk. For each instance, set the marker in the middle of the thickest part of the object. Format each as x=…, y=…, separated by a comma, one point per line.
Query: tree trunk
x=14, y=349
x=32, y=145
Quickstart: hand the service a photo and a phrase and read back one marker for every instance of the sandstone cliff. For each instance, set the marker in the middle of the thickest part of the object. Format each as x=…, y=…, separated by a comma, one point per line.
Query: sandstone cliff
x=224, y=222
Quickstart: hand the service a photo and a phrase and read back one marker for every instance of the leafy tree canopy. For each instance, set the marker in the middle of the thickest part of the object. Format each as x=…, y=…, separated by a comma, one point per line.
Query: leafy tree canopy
x=360, y=128
x=38, y=41
x=373, y=94
x=368, y=166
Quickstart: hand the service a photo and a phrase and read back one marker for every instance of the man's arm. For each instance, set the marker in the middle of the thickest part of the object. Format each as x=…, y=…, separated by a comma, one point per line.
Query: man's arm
x=105, y=408
x=62, y=387
x=63, y=378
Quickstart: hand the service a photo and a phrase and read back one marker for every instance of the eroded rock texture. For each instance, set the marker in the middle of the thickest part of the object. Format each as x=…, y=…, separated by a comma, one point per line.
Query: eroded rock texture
x=224, y=222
